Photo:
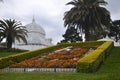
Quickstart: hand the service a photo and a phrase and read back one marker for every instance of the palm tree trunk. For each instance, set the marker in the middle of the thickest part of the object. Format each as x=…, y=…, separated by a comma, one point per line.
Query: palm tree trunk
x=9, y=45
x=9, y=42
x=87, y=35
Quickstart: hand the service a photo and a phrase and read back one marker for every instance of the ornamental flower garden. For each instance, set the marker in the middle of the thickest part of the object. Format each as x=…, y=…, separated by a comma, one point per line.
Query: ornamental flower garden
x=60, y=58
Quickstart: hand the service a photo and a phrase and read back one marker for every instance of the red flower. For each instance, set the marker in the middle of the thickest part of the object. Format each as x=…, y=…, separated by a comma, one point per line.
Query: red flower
x=58, y=59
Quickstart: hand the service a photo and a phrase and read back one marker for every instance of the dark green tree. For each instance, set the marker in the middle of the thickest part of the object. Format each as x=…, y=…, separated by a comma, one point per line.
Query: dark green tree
x=115, y=30
x=89, y=17
x=71, y=35
x=11, y=30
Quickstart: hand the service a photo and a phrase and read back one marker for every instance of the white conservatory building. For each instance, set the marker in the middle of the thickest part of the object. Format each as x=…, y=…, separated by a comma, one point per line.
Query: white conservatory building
x=36, y=38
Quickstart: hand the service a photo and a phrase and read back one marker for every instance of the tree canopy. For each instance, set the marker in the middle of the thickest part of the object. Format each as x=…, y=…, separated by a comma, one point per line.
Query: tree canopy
x=115, y=30
x=71, y=35
x=89, y=17
x=11, y=30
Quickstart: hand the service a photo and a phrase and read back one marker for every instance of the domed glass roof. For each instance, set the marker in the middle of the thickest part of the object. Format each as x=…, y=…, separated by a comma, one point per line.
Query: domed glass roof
x=34, y=27
x=35, y=39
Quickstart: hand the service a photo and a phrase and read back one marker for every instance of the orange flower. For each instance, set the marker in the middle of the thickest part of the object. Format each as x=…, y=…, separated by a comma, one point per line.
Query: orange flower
x=58, y=59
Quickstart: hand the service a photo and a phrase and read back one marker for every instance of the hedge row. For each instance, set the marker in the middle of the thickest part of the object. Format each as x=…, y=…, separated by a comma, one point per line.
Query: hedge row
x=6, y=61
x=92, y=61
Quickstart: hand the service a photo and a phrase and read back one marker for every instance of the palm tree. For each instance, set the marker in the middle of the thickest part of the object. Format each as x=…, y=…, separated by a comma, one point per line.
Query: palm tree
x=11, y=30
x=88, y=16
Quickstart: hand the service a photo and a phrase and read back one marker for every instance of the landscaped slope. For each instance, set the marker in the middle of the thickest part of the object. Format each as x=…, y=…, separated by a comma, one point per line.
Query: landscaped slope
x=112, y=64
x=6, y=61
x=63, y=56
x=6, y=52
x=92, y=61
x=109, y=71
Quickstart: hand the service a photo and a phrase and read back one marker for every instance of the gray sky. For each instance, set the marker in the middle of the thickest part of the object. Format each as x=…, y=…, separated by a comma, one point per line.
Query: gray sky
x=48, y=13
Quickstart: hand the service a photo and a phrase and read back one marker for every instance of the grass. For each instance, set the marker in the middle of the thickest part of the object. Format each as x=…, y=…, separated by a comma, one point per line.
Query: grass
x=6, y=52
x=3, y=54
x=109, y=71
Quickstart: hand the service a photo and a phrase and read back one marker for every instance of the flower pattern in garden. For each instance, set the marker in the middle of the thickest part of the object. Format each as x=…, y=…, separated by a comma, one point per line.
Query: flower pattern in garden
x=65, y=58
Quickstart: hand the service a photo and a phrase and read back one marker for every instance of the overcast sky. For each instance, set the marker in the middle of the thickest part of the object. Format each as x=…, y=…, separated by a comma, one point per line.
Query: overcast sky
x=48, y=13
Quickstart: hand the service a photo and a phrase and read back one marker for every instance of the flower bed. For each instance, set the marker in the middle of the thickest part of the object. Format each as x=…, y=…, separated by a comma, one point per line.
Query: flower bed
x=93, y=61
x=62, y=58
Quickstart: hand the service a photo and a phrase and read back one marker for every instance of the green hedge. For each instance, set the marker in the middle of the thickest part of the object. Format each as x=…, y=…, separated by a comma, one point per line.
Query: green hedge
x=91, y=61
x=6, y=61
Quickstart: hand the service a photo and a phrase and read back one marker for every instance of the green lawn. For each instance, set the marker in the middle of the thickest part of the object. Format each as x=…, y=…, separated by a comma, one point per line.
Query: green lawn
x=5, y=52
x=109, y=71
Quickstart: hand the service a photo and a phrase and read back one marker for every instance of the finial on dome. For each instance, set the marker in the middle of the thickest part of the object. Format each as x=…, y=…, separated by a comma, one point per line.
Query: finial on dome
x=33, y=20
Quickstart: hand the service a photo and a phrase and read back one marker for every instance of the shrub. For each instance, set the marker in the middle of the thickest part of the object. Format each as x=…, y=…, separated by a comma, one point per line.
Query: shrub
x=91, y=62
x=6, y=61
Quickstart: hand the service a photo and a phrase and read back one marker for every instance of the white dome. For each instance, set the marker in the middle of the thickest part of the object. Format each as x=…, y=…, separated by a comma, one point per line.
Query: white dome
x=34, y=27
x=35, y=39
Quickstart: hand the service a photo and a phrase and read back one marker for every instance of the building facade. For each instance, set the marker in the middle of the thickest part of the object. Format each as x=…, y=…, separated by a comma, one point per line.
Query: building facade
x=36, y=38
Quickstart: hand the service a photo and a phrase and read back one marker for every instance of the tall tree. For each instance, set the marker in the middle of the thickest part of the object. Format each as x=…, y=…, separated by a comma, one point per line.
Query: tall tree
x=115, y=30
x=71, y=35
x=88, y=16
x=11, y=30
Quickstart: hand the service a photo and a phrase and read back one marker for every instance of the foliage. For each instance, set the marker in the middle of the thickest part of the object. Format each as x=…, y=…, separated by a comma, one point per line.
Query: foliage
x=109, y=71
x=71, y=35
x=61, y=59
x=26, y=55
x=115, y=30
x=6, y=52
x=88, y=17
x=11, y=50
x=91, y=62
x=11, y=30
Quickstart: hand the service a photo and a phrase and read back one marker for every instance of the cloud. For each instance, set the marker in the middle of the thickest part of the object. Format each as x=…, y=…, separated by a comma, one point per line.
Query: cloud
x=48, y=13
x=113, y=7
